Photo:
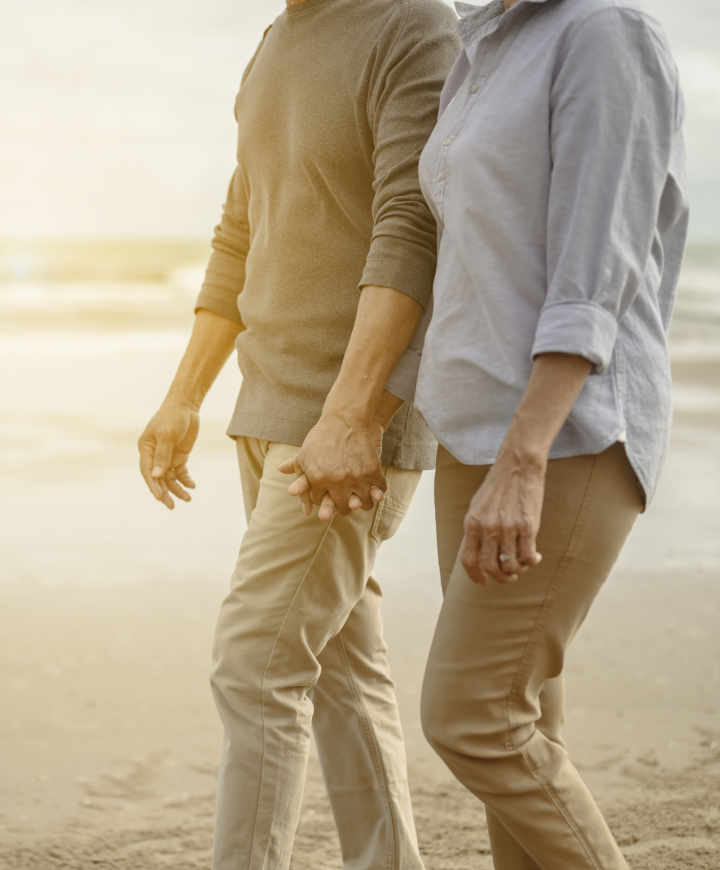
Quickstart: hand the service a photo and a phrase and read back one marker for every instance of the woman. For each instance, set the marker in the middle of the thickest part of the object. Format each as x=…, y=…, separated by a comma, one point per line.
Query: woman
x=556, y=177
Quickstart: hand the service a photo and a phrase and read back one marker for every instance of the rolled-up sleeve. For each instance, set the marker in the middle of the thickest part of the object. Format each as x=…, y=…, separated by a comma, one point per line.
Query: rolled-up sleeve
x=614, y=122
x=402, y=112
x=225, y=273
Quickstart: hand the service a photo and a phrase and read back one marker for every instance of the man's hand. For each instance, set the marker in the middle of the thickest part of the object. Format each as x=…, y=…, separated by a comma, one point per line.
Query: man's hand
x=338, y=467
x=164, y=447
x=170, y=436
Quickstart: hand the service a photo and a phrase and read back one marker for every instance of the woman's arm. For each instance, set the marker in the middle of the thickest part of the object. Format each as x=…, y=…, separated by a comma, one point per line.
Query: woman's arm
x=504, y=515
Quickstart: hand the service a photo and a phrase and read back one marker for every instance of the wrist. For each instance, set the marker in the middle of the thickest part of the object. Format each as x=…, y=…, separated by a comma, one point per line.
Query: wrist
x=180, y=398
x=352, y=416
x=523, y=456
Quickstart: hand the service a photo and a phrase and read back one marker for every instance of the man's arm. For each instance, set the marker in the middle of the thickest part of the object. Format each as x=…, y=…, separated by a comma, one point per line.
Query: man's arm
x=402, y=111
x=169, y=437
x=341, y=455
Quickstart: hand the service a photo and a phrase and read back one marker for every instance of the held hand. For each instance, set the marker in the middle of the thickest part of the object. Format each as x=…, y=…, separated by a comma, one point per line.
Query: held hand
x=164, y=447
x=504, y=518
x=343, y=464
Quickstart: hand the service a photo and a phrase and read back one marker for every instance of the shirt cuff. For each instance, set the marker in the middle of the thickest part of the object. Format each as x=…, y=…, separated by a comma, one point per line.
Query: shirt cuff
x=394, y=263
x=403, y=381
x=581, y=328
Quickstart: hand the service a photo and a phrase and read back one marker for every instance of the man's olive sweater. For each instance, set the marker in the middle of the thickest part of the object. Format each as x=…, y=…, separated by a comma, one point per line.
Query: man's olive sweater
x=333, y=112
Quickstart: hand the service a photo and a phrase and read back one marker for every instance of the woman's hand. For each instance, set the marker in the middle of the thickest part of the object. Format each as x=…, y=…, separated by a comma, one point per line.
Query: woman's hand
x=503, y=520
x=504, y=516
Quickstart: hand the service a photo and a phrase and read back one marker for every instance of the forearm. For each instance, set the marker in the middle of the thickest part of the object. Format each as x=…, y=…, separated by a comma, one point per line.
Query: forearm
x=211, y=343
x=385, y=323
x=555, y=384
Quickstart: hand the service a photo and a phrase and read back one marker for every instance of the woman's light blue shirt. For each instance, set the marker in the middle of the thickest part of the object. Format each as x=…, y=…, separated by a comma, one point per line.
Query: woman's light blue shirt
x=556, y=175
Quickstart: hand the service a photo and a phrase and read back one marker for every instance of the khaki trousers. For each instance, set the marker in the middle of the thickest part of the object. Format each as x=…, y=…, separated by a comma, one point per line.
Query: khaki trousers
x=492, y=704
x=299, y=643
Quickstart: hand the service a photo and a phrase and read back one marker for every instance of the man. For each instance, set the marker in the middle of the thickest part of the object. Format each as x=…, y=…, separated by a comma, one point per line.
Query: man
x=333, y=112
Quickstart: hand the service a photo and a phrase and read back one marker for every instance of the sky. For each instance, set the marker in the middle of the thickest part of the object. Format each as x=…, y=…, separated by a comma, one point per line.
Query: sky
x=117, y=117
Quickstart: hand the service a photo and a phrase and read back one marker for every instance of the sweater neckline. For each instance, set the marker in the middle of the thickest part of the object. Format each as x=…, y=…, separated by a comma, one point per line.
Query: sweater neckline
x=307, y=6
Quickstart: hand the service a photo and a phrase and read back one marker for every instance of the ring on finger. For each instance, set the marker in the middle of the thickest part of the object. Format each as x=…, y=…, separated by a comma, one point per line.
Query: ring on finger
x=506, y=557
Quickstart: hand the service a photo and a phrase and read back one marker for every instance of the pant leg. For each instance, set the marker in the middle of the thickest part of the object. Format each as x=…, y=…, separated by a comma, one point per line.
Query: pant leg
x=455, y=486
x=357, y=723
x=495, y=649
x=361, y=747
x=296, y=582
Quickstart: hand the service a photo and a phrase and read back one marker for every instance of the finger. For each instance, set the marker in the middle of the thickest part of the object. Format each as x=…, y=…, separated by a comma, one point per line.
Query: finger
x=489, y=562
x=528, y=555
x=327, y=508
x=376, y=494
x=163, y=454
x=470, y=558
x=307, y=505
x=509, y=547
x=304, y=497
x=299, y=486
x=146, y=463
x=301, y=489
x=288, y=467
x=183, y=475
x=357, y=500
x=175, y=488
x=166, y=499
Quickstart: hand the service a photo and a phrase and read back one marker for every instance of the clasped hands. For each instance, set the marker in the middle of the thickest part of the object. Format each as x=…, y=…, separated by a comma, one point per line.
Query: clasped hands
x=338, y=467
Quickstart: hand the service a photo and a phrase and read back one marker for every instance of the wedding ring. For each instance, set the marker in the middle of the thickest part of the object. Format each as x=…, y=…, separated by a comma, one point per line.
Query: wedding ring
x=506, y=557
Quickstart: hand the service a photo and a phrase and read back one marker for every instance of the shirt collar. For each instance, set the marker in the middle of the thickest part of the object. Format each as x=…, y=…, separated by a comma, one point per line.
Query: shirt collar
x=473, y=17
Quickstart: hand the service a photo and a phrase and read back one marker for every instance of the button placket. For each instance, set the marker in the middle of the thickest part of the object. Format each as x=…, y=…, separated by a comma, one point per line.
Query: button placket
x=455, y=128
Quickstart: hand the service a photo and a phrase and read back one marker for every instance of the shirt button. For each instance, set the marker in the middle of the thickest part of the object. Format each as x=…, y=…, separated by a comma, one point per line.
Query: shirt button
x=448, y=140
x=474, y=88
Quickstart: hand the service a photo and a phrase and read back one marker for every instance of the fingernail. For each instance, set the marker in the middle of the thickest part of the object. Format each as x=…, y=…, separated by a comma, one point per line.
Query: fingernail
x=157, y=471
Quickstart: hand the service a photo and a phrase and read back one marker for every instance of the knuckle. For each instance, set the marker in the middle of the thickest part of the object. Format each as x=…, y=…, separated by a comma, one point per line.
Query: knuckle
x=525, y=526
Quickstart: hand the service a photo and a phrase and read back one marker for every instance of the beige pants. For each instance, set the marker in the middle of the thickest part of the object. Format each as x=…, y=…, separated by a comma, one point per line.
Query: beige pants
x=492, y=703
x=299, y=643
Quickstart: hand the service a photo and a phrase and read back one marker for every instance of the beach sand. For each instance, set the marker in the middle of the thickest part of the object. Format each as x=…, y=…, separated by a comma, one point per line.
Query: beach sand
x=109, y=741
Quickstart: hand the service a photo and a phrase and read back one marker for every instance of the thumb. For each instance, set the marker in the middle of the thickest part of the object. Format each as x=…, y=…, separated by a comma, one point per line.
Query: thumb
x=163, y=455
x=287, y=467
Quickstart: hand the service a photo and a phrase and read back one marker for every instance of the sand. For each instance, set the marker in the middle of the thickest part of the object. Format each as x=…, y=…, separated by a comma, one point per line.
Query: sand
x=109, y=741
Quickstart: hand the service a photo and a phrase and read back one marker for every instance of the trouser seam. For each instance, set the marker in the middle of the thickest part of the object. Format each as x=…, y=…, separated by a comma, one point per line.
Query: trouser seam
x=372, y=745
x=562, y=809
x=262, y=685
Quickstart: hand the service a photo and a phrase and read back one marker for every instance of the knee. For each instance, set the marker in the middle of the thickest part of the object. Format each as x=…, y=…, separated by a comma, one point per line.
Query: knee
x=252, y=664
x=466, y=732
x=233, y=672
x=439, y=719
